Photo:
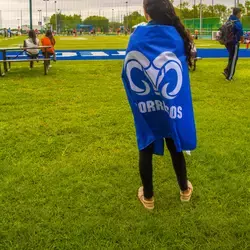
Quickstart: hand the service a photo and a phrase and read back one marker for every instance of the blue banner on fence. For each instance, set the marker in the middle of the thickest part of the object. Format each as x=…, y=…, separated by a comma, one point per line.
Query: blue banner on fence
x=120, y=54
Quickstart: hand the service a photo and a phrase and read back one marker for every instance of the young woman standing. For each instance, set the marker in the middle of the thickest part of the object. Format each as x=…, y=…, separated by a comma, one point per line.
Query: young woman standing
x=156, y=80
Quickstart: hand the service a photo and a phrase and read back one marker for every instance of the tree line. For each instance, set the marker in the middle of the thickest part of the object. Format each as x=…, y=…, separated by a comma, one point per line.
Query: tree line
x=217, y=10
x=184, y=11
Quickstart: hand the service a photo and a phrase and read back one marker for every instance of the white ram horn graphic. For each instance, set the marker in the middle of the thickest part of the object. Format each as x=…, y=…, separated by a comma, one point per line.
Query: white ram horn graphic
x=138, y=56
x=154, y=72
x=135, y=59
x=165, y=62
x=175, y=66
x=164, y=57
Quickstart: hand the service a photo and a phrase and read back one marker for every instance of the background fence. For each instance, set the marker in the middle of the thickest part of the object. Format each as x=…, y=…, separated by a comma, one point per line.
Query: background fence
x=15, y=13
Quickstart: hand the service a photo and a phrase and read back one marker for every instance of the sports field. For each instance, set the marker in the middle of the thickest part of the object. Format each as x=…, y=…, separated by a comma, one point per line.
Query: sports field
x=68, y=161
x=97, y=42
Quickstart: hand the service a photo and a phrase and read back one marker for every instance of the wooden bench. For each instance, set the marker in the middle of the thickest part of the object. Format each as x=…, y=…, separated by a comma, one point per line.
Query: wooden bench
x=9, y=61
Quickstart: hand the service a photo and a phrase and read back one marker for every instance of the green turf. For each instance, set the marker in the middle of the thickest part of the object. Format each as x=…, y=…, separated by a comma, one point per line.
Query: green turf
x=68, y=163
x=69, y=42
x=98, y=42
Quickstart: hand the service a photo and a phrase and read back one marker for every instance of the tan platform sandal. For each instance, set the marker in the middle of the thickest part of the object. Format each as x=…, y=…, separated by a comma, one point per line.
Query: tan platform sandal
x=148, y=204
x=185, y=196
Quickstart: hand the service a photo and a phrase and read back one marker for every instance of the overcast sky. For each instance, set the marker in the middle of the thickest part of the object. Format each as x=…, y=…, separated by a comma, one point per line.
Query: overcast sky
x=11, y=9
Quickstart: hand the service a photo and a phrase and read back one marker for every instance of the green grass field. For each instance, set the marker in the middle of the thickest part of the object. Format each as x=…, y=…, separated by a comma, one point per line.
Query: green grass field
x=98, y=42
x=68, y=163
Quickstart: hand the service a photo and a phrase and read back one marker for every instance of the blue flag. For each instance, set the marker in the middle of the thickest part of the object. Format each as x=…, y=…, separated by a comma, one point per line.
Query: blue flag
x=156, y=80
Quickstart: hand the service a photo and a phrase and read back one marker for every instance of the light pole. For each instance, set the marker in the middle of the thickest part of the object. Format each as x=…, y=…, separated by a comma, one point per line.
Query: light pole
x=200, y=17
x=46, y=6
x=31, y=24
x=55, y=17
x=213, y=7
x=21, y=20
x=40, y=17
x=113, y=19
x=180, y=8
x=127, y=13
x=194, y=14
x=59, y=21
x=18, y=20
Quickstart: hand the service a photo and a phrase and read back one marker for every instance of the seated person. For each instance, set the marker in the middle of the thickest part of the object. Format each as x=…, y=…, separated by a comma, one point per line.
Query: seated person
x=247, y=37
x=49, y=40
x=30, y=45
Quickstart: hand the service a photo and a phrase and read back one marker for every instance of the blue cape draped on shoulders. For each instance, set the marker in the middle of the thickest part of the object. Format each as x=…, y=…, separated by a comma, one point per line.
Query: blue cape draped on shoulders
x=156, y=79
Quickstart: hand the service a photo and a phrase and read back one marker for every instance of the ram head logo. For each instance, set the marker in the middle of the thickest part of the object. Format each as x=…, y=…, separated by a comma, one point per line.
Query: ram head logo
x=155, y=73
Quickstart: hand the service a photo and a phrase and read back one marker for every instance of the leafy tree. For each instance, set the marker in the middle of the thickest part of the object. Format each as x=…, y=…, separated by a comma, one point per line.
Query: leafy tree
x=247, y=5
x=133, y=19
x=115, y=25
x=98, y=22
x=64, y=21
x=225, y=15
x=220, y=10
x=187, y=12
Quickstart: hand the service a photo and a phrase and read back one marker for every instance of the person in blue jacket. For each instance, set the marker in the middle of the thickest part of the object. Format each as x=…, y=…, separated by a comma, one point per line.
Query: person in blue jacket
x=233, y=46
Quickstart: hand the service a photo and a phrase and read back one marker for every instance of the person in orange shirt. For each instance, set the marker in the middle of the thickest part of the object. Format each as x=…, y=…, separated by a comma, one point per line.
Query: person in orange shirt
x=247, y=39
x=49, y=40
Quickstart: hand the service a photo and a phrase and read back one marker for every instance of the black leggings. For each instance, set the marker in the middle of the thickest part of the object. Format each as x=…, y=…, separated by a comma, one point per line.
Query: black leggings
x=49, y=55
x=146, y=168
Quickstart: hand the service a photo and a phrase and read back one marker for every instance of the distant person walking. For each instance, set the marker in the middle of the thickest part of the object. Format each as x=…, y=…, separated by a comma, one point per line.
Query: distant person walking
x=234, y=44
x=5, y=33
x=9, y=32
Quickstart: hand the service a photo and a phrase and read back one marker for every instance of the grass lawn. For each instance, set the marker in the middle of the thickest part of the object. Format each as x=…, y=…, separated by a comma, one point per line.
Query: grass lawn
x=98, y=42
x=68, y=163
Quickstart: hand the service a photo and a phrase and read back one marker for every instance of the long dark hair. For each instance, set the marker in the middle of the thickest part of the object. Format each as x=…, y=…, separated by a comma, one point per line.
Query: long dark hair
x=49, y=35
x=162, y=12
x=32, y=35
